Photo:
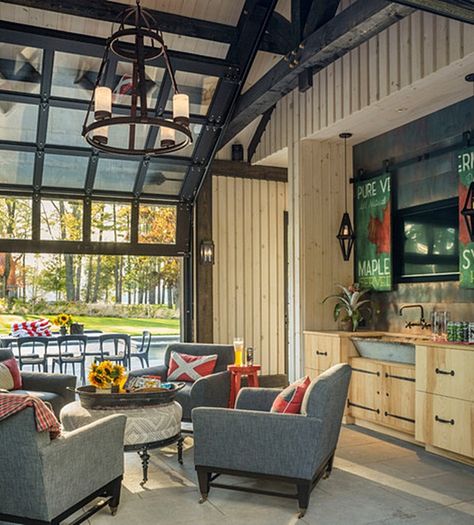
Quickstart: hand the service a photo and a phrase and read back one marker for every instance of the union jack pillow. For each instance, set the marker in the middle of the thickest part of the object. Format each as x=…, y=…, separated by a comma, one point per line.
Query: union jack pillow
x=190, y=368
x=290, y=399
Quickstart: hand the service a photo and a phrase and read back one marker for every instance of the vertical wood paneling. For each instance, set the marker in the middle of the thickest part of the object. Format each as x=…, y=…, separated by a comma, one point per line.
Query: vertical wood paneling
x=248, y=273
x=406, y=52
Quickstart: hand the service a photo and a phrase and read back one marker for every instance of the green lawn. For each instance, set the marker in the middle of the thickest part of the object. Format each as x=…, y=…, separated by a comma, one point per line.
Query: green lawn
x=131, y=326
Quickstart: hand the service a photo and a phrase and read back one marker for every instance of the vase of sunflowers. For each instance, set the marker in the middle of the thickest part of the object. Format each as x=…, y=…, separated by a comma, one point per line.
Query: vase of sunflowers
x=107, y=376
x=64, y=322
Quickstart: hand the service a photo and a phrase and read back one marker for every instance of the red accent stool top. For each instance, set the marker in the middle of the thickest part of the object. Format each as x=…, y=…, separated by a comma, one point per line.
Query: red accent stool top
x=236, y=373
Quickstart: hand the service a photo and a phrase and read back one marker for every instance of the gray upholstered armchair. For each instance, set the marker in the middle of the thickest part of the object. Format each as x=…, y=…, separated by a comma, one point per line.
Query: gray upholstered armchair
x=251, y=441
x=209, y=391
x=43, y=481
x=51, y=388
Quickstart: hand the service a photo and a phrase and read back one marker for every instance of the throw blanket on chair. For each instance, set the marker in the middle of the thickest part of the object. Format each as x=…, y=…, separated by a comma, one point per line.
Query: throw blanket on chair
x=44, y=418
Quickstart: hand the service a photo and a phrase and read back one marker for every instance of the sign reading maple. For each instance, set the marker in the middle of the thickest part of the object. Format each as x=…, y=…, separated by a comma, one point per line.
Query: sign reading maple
x=373, y=233
x=466, y=246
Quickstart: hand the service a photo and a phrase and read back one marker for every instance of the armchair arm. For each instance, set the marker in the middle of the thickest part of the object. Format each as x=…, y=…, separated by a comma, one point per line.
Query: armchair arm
x=252, y=441
x=83, y=460
x=160, y=370
x=211, y=391
x=56, y=383
x=260, y=399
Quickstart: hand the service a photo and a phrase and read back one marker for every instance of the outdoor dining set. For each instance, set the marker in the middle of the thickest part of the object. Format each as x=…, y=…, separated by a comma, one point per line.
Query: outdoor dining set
x=64, y=353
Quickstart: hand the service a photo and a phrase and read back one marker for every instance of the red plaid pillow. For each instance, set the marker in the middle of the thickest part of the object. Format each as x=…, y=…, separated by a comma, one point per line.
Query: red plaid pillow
x=10, y=378
x=290, y=399
x=184, y=367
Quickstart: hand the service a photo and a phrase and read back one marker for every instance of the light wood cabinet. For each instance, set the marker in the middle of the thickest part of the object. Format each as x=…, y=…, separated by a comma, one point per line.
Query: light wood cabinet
x=383, y=393
x=445, y=399
x=321, y=351
x=445, y=422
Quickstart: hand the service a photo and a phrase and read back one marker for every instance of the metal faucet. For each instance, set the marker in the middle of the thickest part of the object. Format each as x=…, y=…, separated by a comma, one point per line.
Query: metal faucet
x=422, y=322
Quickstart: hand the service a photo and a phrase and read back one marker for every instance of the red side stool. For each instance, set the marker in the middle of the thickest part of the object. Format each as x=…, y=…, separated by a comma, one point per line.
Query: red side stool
x=236, y=373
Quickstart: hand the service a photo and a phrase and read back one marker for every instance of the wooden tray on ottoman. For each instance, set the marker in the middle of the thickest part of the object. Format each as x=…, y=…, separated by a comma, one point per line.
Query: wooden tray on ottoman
x=92, y=399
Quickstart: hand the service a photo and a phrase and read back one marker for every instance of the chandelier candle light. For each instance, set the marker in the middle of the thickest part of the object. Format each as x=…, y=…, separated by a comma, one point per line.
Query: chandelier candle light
x=139, y=41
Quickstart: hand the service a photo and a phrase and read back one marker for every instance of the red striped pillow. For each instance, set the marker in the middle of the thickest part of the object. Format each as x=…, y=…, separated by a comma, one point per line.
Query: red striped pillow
x=190, y=368
x=10, y=378
x=290, y=399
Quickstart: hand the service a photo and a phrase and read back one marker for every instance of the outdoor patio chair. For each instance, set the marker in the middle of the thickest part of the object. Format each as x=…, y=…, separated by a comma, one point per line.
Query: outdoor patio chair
x=72, y=351
x=27, y=355
x=251, y=441
x=143, y=350
x=44, y=480
x=121, y=348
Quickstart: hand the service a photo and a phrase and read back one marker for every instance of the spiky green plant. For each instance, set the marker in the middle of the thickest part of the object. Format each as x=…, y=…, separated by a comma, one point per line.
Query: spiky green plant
x=349, y=302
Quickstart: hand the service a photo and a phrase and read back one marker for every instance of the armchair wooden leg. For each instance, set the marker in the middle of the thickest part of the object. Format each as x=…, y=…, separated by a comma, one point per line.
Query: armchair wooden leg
x=115, y=488
x=303, y=490
x=328, y=470
x=204, y=479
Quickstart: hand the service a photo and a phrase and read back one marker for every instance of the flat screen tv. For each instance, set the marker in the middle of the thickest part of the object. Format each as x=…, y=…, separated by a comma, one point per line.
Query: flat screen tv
x=427, y=242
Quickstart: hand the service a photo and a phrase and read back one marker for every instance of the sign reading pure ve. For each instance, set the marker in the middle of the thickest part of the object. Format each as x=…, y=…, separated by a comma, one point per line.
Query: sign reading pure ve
x=374, y=233
x=466, y=246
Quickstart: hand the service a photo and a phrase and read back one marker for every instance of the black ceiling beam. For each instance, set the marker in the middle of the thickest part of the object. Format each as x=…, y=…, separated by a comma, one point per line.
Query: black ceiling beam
x=257, y=137
x=318, y=14
x=461, y=10
x=168, y=22
x=244, y=170
x=250, y=29
x=347, y=30
x=90, y=46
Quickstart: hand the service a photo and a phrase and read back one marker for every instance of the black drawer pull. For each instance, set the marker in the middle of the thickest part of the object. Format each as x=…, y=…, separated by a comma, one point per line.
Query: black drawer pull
x=448, y=421
x=321, y=353
x=387, y=414
x=444, y=372
x=351, y=404
x=402, y=378
x=366, y=371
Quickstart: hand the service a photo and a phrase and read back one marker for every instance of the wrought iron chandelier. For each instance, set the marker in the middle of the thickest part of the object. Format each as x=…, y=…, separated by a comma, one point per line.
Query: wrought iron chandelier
x=139, y=41
x=346, y=235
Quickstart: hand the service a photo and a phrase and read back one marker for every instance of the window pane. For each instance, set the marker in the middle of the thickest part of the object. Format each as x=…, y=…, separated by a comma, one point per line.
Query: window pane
x=61, y=220
x=16, y=218
x=64, y=171
x=16, y=167
x=74, y=76
x=65, y=127
x=110, y=222
x=164, y=179
x=123, y=83
x=113, y=174
x=199, y=88
x=157, y=224
x=20, y=68
x=18, y=121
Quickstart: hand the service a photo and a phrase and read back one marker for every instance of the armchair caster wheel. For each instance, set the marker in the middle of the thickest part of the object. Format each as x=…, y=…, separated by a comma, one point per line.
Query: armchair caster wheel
x=203, y=499
x=301, y=513
x=113, y=510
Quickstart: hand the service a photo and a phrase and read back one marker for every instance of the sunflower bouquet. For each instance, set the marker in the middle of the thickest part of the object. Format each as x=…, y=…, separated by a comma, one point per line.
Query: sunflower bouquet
x=62, y=320
x=106, y=374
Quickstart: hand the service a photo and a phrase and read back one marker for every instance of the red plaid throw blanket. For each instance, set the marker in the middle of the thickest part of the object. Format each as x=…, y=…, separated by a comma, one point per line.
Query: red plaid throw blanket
x=45, y=419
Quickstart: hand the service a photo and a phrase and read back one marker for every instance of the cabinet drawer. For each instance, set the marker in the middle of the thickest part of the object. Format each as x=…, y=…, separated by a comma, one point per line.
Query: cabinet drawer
x=321, y=352
x=365, y=389
x=445, y=423
x=445, y=371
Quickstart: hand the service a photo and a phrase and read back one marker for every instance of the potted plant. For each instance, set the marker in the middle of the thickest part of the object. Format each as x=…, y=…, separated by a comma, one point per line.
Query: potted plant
x=106, y=376
x=348, y=306
x=63, y=321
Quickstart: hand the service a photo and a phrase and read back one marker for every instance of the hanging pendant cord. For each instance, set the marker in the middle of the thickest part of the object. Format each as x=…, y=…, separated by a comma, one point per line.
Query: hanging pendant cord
x=345, y=173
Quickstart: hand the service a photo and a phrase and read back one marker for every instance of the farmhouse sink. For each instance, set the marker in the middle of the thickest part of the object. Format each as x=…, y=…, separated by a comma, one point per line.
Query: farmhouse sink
x=386, y=348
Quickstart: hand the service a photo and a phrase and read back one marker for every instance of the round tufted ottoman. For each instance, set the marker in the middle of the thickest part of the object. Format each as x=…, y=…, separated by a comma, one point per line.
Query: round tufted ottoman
x=147, y=427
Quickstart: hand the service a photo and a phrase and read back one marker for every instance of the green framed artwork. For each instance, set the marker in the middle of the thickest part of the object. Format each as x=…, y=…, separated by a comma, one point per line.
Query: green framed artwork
x=466, y=202
x=373, y=226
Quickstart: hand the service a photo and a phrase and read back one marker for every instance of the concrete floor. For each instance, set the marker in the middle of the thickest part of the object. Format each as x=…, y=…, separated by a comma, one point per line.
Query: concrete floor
x=374, y=481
